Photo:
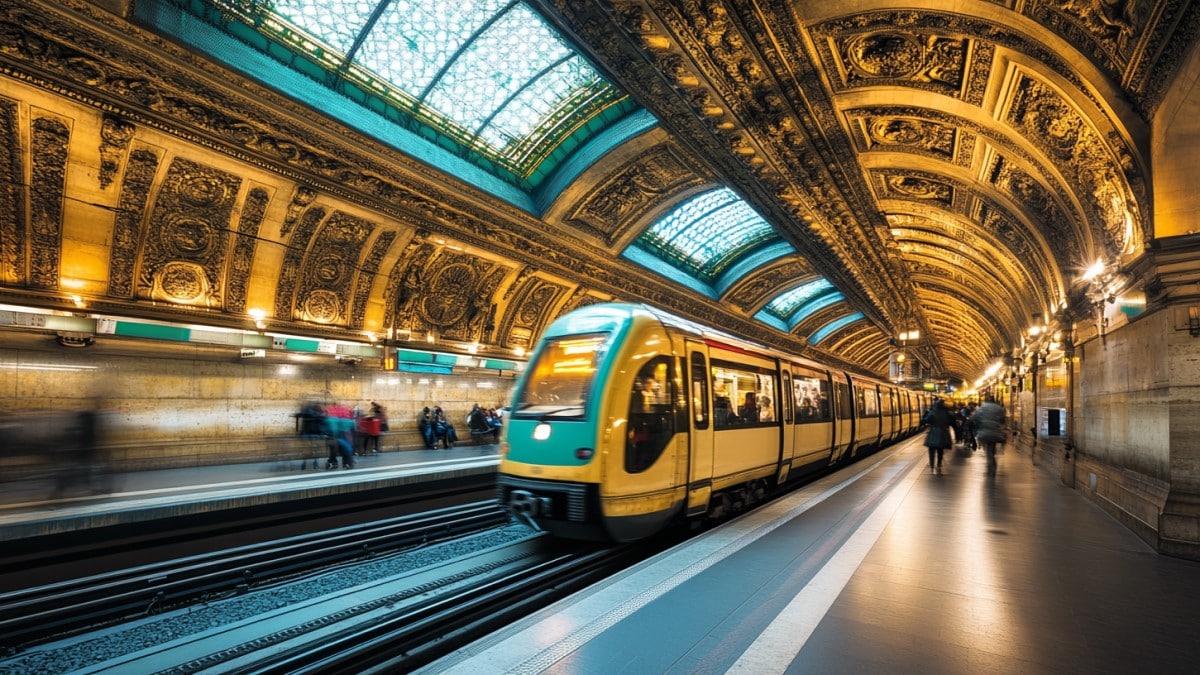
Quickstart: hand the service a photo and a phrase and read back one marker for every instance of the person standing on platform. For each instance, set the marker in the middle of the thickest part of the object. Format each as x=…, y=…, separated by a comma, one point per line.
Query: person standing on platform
x=989, y=429
x=937, y=439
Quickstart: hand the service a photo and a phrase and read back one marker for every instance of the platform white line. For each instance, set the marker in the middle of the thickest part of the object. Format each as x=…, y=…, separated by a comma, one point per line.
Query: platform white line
x=778, y=645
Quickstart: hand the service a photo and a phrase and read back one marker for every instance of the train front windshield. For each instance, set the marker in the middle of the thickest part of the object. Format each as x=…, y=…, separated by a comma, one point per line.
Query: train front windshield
x=561, y=378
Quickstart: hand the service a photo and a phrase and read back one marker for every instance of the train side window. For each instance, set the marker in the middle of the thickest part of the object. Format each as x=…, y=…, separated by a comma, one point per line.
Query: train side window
x=810, y=391
x=651, y=414
x=699, y=382
x=742, y=395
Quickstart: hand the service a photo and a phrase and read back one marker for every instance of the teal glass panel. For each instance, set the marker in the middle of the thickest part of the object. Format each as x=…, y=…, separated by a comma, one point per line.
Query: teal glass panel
x=707, y=232
x=334, y=23
x=786, y=303
x=509, y=55
x=834, y=326
x=412, y=41
x=490, y=75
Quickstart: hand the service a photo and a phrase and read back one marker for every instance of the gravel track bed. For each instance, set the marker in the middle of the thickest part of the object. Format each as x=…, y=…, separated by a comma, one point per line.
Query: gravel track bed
x=81, y=651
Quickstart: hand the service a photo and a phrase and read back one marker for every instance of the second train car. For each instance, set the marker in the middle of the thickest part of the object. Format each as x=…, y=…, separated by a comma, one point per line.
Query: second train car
x=629, y=420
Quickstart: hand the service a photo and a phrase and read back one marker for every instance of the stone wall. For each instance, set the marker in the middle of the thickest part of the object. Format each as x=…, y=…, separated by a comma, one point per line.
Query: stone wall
x=182, y=405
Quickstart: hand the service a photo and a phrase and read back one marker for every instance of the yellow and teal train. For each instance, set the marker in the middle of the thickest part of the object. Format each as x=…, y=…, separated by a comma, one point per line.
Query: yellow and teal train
x=629, y=420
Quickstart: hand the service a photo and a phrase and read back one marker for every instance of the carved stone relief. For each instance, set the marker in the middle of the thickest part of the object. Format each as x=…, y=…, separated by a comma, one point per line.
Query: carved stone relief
x=240, y=261
x=906, y=134
x=1108, y=30
x=457, y=297
x=50, y=139
x=136, y=185
x=368, y=270
x=301, y=198
x=1081, y=153
x=894, y=184
x=1037, y=202
x=331, y=267
x=115, y=136
x=406, y=283
x=186, y=247
x=13, y=236
x=623, y=197
x=530, y=312
x=749, y=295
x=289, y=274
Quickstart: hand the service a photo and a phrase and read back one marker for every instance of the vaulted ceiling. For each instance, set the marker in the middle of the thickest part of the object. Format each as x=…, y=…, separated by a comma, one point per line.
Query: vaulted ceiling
x=947, y=167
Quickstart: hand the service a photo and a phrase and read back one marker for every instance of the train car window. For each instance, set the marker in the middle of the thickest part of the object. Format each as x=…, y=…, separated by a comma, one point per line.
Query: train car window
x=560, y=380
x=651, y=414
x=810, y=391
x=868, y=400
x=885, y=402
x=742, y=395
x=699, y=384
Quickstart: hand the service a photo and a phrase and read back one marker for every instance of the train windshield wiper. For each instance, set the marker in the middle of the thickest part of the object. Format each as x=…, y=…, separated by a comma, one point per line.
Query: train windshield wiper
x=556, y=411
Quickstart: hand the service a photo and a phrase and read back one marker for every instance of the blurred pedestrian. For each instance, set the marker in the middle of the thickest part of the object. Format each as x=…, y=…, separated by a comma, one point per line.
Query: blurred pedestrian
x=989, y=429
x=937, y=439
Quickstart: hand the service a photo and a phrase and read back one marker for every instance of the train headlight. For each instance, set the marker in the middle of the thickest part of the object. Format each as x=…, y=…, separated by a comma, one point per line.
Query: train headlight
x=584, y=453
x=542, y=431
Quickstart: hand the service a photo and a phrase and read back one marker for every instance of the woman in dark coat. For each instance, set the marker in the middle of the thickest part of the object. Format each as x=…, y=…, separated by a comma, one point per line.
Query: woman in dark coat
x=937, y=439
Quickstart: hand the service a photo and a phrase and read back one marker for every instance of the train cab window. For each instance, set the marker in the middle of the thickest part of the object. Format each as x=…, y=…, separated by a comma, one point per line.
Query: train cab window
x=810, y=391
x=560, y=379
x=699, y=382
x=742, y=395
x=651, y=414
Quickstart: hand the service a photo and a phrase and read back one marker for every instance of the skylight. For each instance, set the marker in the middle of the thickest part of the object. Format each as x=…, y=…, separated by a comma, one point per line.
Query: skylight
x=786, y=303
x=489, y=74
x=705, y=234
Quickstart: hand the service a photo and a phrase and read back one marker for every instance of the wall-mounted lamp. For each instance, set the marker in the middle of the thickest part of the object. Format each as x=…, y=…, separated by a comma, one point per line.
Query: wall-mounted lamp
x=1194, y=321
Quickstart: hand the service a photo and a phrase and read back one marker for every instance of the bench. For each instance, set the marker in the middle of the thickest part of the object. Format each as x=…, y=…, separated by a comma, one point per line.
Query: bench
x=479, y=434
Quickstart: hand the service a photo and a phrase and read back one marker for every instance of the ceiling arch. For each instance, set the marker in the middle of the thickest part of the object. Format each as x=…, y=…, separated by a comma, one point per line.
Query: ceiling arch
x=951, y=167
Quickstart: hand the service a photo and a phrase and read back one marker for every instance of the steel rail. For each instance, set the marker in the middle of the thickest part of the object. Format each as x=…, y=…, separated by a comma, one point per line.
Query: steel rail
x=54, y=609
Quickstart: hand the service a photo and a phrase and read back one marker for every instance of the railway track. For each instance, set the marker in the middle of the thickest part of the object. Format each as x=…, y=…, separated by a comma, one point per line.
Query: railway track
x=393, y=613
x=33, y=614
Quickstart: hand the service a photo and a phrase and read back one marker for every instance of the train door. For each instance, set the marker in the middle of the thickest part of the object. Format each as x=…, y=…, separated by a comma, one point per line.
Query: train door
x=866, y=415
x=889, y=413
x=784, y=408
x=700, y=457
x=843, y=412
x=811, y=396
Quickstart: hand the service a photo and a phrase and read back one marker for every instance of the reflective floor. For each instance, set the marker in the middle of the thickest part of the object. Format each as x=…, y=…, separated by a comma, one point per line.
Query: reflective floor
x=884, y=568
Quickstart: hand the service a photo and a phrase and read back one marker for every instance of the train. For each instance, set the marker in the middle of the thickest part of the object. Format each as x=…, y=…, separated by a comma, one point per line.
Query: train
x=628, y=421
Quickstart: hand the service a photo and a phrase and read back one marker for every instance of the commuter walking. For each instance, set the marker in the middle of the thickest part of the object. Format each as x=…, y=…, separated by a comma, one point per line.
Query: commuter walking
x=937, y=439
x=989, y=428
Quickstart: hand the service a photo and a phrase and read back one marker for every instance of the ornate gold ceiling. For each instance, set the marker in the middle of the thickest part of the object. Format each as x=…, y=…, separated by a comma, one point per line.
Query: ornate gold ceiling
x=950, y=166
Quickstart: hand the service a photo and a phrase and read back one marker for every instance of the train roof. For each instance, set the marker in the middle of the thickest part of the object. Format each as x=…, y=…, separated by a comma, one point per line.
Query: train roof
x=719, y=337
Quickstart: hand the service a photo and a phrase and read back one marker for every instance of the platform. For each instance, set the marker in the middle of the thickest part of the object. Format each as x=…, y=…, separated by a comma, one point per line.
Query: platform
x=143, y=496
x=885, y=567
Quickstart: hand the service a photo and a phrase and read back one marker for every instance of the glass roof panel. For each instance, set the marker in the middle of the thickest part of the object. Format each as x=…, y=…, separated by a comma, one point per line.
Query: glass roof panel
x=490, y=74
x=336, y=23
x=707, y=232
x=510, y=54
x=412, y=41
x=786, y=303
x=834, y=326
